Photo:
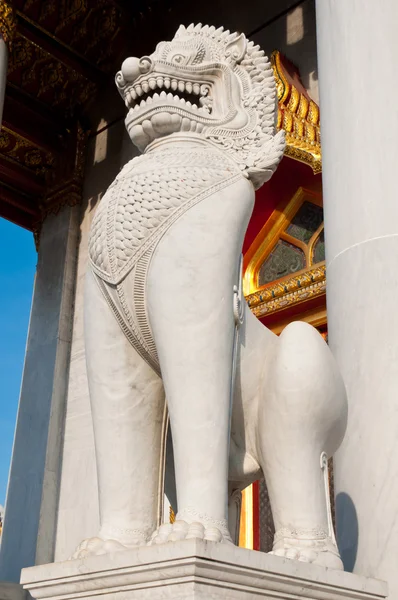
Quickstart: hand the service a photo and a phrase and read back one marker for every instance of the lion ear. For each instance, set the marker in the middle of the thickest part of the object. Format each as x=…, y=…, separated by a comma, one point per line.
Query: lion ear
x=236, y=49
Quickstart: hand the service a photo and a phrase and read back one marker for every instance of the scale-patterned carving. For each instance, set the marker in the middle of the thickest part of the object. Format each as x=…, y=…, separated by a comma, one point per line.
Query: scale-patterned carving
x=267, y=529
x=144, y=195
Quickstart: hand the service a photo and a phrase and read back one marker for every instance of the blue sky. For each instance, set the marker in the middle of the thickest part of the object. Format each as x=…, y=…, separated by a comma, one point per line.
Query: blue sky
x=18, y=259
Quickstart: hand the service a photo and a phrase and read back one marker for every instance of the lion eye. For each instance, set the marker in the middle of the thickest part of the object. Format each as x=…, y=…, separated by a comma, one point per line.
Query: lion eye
x=178, y=59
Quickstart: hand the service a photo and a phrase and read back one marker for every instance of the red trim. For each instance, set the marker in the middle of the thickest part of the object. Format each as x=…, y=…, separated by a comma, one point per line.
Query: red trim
x=256, y=516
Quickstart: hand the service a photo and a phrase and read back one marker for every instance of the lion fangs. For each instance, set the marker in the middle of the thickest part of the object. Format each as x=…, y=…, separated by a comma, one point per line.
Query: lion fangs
x=152, y=83
x=138, y=90
x=133, y=94
x=145, y=86
x=156, y=97
x=181, y=86
x=174, y=84
x=188, y=87
x=163, y=94
x=170, y=96
x=167, y=82
x=159, y=81
x=196, y=88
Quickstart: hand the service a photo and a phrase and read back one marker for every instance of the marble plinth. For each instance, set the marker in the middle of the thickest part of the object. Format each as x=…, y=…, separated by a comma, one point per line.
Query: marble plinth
x=193, y=569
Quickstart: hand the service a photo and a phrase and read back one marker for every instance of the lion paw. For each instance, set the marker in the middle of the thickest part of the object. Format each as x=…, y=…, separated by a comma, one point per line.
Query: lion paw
x=321, y=552
x=182, y=530
x=96, y=546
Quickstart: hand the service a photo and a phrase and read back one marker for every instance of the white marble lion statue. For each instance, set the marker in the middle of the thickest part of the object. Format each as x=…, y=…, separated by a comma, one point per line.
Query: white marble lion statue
x=165, y=323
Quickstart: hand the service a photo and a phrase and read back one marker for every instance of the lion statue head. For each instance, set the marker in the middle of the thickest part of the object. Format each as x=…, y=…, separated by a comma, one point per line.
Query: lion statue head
x=210, y=83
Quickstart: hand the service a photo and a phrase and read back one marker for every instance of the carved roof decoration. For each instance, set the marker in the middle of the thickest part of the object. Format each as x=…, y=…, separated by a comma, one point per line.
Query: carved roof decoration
x=298, y=115
x=19, y=149
x=7, y=21
x=63, y=54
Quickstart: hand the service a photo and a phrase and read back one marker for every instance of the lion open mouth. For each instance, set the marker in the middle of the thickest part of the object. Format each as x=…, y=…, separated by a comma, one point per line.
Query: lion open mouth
x=186, y=94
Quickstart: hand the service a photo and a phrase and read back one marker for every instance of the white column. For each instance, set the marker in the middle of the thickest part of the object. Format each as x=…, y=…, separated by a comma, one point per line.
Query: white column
x=32, y=497
x=357, y=57
x=3, y=73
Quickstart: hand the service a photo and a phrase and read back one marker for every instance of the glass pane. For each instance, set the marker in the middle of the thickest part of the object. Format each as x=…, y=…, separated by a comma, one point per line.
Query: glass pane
x=318, y=254
x=284, y=259
x=305, y=222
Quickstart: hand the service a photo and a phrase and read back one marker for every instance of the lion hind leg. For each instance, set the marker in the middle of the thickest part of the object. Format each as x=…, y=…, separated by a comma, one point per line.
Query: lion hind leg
x=303, y=416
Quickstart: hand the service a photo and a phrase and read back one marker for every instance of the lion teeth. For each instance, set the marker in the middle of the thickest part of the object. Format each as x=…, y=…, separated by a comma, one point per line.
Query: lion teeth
x=186, y=124
x=202, y=105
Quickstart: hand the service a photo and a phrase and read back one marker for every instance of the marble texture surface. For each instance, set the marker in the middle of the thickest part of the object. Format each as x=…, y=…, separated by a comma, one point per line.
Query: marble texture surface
x=360, y=157
x=194, y=569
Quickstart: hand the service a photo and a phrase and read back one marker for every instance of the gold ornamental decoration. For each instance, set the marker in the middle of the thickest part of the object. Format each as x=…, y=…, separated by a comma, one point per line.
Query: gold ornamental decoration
x=298, y=115
x=296, y=289
x=8, y=22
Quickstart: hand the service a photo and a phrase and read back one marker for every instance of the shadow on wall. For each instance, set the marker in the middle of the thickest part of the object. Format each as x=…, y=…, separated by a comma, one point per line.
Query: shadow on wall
x=347, y=530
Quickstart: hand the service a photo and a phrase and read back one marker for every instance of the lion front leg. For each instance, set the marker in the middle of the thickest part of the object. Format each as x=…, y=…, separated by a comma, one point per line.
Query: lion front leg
x=190, y=301
x=303, y=415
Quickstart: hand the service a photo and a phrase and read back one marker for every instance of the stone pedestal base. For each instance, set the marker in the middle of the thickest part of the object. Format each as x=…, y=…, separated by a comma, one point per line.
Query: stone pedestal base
x=193, y=570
